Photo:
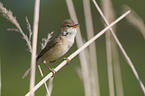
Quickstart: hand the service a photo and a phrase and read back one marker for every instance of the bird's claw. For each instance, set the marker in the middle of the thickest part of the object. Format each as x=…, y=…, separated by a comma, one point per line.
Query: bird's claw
x=67, y=60
x=53, y=72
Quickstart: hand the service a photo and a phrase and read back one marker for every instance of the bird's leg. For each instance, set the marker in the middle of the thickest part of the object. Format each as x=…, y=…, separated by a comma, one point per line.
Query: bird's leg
x=53, y=71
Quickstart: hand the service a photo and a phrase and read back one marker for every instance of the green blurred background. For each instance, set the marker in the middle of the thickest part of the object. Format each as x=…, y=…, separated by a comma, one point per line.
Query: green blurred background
x=15, y=59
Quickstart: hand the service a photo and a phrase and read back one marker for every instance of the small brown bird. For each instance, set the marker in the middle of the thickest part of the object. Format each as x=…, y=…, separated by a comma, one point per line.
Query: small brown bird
x=57, y=47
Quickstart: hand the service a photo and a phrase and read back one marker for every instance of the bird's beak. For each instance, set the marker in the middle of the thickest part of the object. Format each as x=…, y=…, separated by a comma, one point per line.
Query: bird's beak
x=76, y=25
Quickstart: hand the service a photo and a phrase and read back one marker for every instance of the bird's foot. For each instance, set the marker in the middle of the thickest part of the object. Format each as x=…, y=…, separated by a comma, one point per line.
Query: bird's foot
x=53, y=72
x=66, y=59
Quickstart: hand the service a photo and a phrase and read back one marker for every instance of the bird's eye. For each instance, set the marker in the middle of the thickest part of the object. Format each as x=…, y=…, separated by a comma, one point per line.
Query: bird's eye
x=67, y=26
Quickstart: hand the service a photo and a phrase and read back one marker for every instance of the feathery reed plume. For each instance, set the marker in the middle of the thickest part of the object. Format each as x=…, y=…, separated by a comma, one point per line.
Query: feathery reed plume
x=135, y=20
x=9, y=15
x=46, y=40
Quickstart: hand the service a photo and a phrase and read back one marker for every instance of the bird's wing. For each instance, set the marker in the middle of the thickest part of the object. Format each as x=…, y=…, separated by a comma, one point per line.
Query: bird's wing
x=47, y=47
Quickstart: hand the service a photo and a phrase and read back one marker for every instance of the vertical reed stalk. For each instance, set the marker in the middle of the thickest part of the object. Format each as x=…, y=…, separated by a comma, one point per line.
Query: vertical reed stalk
x=93, y=66
x=48, y=94
x=117, y=70
x=34, y=44
x=0, y=77
x=107, y=9
x=82, y=55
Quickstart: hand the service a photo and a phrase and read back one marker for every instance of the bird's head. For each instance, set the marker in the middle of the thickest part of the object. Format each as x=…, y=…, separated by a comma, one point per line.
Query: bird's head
x=68, y=27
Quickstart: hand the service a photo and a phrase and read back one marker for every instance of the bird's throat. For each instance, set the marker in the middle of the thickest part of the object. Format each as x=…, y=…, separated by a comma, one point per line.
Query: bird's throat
x=70, y=35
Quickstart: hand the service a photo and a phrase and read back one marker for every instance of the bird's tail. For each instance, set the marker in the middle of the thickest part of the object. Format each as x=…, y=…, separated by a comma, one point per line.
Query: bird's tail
x=26, y=73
